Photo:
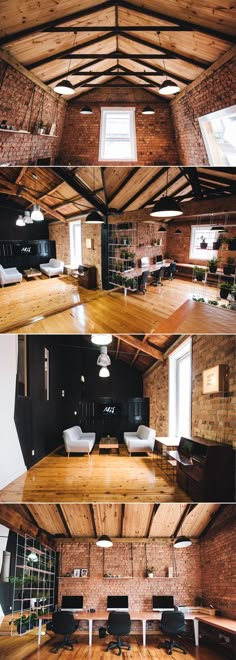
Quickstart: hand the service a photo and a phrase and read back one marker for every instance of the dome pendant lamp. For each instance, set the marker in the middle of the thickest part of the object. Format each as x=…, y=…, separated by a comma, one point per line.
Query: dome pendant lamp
x=181, y=541
x=166, y=207
x=65, y=86
x=104, y=542
x=168, y=86
x=94, y=218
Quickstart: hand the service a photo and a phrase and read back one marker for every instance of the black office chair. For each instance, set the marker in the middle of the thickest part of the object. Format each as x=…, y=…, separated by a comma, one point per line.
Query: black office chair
x=158, y=276
x=142, y=282
x=119, y=624
x=63, y=623
x=173, y=624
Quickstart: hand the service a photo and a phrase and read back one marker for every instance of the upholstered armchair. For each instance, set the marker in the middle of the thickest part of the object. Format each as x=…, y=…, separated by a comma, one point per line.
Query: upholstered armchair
x=9, y=276
x=142, y=440
x=52, y=268
x=77, y=441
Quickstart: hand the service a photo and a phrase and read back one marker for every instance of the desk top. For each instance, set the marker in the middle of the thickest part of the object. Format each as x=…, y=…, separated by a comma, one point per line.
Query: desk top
x=136, y=272
x=219, y=622
x=102, y=615
x=168, y=442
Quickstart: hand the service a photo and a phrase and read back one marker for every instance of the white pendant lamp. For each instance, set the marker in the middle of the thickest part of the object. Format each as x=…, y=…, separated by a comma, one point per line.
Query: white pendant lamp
x=168, y=86
x=101, y=340
x=27, y=218
x=94, y=218
x=148, y=110
x=182, y=542
x=37, y=215
x=104, y=372
x=103, y=359
x=86, y=110
x=20, y=221
x=104, y=542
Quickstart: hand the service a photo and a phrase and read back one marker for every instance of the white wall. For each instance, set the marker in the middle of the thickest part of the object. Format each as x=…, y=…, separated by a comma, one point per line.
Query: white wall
x=11, y=458
x=4, y=532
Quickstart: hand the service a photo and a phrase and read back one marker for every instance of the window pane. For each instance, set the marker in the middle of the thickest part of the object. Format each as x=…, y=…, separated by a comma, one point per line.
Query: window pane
x=117, y=140
x=198, y=233
x=219, y=135
x=183, y=396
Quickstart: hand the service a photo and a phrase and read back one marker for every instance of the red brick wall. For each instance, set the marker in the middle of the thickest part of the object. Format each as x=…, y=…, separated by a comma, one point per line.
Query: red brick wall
x=218, y=563
x=155, y=136
x=92, y=257
x=140, y=589
x=23, y=104
x=178, y=245
x=214, y=93
x=213, y=416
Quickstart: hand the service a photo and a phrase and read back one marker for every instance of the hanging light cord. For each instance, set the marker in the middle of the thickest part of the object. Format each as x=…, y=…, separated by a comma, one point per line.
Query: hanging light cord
x=161, y=48
x=71, y=53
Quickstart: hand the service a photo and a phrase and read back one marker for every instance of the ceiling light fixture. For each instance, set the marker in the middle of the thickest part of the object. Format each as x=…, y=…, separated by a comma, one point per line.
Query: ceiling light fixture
x=166, y=206
x=20, y=221
x=219, y=228
x=148, y=110
x=86, y=110
x=182, y=542
x=178, y=231
x=104, y=542
x=94, y=218
x=103, y=359
x=27, y=218
x=168, y=86
x=65, y=86
x=162, y=229
x=104, y=372
x=101, y=340
x=37, y=215
x=32, y=557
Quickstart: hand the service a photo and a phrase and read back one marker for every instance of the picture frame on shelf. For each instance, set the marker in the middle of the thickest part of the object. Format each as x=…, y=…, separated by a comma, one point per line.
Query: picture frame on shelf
x=84, y=572
x=77, y=572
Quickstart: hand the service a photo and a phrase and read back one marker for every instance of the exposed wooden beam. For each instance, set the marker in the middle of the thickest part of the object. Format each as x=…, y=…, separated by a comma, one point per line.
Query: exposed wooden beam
x=93, y=520
x=115, y=55
x=123, y=183
x=192, y=175
x=117, y=348
x=226, y=204
x=138, y=352
x=80, y=188
x=160, y=70
x=16, y=522
x=9, y=59
x=63, y=519
x=143, y=188
x=61, y=541
x=185, y=25
x=214, y=516
x=162, y=190
x=187, y=510
x=143, y=347
x=120, y=28
x=73, y=71
x=69, y=53
x=155, y=508
x=168, y=54
x=44, y=27
x=21, y=191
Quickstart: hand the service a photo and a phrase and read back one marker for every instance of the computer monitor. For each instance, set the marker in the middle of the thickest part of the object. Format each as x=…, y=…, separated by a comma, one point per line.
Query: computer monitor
x=72, y=603
x=161, y=603
x=118, y=603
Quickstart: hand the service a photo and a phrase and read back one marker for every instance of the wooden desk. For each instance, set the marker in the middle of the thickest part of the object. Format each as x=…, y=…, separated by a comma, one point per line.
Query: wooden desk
x=222, y=623
x=109, y=443
x=102, y=615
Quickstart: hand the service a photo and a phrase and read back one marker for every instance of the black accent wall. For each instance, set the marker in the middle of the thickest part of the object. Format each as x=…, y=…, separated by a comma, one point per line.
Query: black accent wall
x=26, y=254
x=6, y=588
x=10, y=232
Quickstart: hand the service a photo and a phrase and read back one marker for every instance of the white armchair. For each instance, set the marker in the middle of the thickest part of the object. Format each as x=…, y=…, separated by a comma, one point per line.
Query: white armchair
x=77, y=441
x=142, y=440
x=52, y=268
x=9, y=276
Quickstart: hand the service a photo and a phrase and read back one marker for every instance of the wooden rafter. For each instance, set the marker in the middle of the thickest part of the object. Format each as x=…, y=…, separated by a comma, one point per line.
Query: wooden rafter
x=18, y=523
x=142, y=346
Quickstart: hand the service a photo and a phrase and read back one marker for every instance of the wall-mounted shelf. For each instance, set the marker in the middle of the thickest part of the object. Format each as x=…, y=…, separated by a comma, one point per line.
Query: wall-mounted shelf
x=45, y=135
x=71, y=577
x=118, y=577
x=9, y=130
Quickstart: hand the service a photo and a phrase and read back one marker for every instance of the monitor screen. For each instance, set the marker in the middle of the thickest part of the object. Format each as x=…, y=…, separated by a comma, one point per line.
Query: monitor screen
x=158, y=258
x=117, y=602
x=72, y=603
x=162, y=602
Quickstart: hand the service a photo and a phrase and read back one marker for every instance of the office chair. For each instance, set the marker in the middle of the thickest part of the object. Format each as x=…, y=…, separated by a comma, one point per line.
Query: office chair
x=119, y=624
x=158, y=275
x=63, y=623
x=142, y=282
x=173, y=624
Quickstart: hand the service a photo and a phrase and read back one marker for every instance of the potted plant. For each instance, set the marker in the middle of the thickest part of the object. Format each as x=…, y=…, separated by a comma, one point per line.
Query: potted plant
x=217, y=243
x=150, y=572
x=228, y=268
x=203, y=244
x=132, y=256
x=213, y=263
x=40, y=127
x=25, y=622
x=232, y=243
x=199, y=273
x=122, y=254
x=225, y=289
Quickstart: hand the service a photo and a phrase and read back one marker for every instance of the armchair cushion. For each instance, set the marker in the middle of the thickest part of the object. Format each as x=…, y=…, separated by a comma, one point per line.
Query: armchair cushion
x=142, y=440
x=77, y=441
x=9, y=275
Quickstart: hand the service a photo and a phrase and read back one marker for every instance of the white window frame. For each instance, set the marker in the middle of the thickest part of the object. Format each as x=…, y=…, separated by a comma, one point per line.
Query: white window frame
x=205, y=122
x=102, y=140
x=173, y=422
x=202, y=255
x=73, y=259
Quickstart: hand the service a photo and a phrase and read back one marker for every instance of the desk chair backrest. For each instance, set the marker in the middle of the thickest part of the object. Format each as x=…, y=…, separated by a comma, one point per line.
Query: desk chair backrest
x=63, y=623
x=119, y=623
x=172, y=623
x=142, y=280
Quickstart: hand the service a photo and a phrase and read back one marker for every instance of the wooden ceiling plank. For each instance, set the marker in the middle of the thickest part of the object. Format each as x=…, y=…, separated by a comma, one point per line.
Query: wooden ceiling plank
x=165, y=519
x=143, y=347
x=18, y=523
x=136, y=519
x=143, y=189
x=79, y=187
x=108, y=519
x=78, y=519
x=167, y=52
x=69, y=53
x=47, y=517
x=198, y=519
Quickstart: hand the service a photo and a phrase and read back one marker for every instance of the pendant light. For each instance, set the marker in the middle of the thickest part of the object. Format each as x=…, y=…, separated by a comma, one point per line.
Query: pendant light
x=168, y=86
x=219, y=228
x=101, y=340
x=65, y=86
x=103, y=359
x=148, y=110
x=104, y=542
x=178, y=231
x=27, y=218
x=86, y=110
x=182, y=542
x=37, y=215
x=20, y=221
x=166, y=207
x=104, y=372
x=162, y=229
x=94, y=218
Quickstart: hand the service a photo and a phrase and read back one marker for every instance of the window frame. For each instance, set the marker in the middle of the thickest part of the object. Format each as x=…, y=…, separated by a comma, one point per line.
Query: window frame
x=204, y=255
x=173, y=393
x=74, y=262
x=102, y=137
x=205, y=122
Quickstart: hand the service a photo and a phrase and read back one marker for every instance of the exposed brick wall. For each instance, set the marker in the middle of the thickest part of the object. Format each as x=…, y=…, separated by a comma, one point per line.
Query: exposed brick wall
x=211, y=94
x=185, y=587
x=178, y=245
x=213, y=416
x=92, y=257
x=23, y=104
x=218, y=563
x=155, y=136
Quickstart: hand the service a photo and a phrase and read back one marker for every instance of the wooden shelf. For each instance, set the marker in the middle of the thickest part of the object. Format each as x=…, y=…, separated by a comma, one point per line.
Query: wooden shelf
x=45, y=135
x=9, y=130
x=118, y=577
x=71, y=577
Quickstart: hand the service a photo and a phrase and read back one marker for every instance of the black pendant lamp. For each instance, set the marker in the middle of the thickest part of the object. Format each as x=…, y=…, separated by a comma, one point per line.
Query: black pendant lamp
x=94, y=218
x=86, y=110
x=162, y=229
x=166, y=207
x=65, y=86
x=168, y=86
x=104, y=541
x=178, y=231
x=148, y=110
x=182, y=542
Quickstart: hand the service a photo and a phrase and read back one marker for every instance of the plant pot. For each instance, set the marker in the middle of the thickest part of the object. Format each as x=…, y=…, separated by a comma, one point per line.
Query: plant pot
x=212, y=269
x=150, y=575
x=232, y=244
x=21, y=629
x=228, y=270
x=224, y=293
x=199, y=277
x=216, y=245
x=203, y=246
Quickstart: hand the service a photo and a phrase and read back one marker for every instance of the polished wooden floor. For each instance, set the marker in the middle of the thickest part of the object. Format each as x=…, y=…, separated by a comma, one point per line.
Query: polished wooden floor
x=25, y=648
x=101, y=311
x=94, y=478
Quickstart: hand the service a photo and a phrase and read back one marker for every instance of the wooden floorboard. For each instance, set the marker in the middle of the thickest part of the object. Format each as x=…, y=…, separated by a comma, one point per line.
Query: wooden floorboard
x=113, y=312
x=25, y=648
x=94, y=478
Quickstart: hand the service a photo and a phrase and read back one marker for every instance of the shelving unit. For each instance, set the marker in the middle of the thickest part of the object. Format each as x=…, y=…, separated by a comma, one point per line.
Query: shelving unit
x=121, y=239
x=34, y=581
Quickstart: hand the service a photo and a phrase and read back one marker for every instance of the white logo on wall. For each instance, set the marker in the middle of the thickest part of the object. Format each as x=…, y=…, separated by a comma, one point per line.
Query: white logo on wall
x=26, y=249
x=109, y=409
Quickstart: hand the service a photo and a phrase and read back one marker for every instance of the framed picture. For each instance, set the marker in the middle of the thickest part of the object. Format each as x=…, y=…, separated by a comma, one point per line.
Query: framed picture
x=84, y=572
x=77, y=572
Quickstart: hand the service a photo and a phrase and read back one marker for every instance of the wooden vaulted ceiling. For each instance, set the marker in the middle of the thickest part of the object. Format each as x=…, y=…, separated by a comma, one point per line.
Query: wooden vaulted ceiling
x=132, y=521
x=117, y=41
x=67, y=193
